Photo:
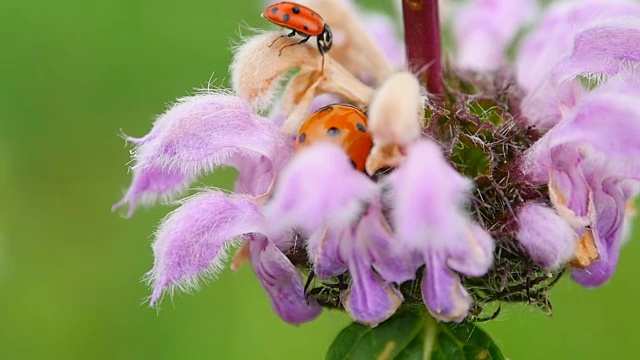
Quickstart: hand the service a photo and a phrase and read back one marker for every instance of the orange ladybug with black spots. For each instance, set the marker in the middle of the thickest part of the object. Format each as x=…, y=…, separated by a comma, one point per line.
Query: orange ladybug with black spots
x=343, y=125
x=300, y=20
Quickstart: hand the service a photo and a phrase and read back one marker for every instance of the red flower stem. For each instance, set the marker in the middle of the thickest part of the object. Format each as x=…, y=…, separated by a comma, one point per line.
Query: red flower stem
x=423, y=40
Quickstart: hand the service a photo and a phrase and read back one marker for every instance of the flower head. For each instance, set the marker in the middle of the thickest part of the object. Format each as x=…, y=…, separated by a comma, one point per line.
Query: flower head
x=479, y=188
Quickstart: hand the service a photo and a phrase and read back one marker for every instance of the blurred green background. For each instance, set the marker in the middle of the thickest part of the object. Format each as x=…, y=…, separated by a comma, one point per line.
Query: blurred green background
x=72, y=74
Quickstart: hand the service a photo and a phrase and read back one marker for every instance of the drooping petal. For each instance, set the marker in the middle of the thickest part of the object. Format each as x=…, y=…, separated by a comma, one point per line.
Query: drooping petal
x=282, y=282
x=443, y=293
x=318, y=187
x=547, y=238
x=193, y=241
x=430, y=220
x=388, y=255
x=475, y=256
x=150, y=184
x=610, y=217
x=484, y=29
x=428, y=196
x=324, y=251
x=369, y=300
x=196, y=135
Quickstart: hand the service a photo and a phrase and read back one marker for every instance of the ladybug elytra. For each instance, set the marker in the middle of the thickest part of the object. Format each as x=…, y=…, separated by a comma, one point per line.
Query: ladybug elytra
x=344, y=125
x=300, y=20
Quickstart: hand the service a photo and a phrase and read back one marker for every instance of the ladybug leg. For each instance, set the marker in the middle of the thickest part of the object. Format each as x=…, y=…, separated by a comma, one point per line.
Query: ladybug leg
x=291, y=34
x=298, y=43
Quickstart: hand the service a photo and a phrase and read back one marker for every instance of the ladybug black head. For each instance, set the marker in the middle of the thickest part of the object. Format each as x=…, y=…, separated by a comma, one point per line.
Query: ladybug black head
x=325, y=40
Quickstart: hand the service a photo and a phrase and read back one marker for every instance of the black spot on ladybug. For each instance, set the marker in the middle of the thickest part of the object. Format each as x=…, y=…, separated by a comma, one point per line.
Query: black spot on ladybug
x=333, y=131
x=353, y=163
x=286, y=17
x=306, y=27
x=302, y=138
x=296, y=10
x=361, y=127
x=313, y=14
x=274, y=10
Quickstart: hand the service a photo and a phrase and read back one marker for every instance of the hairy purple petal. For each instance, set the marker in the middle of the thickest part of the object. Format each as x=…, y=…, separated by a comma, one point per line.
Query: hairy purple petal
x=547, y=238
x=151, y=183
x=430, y=221
x=193, y=240
x=553, y=39
x=484, y=29
x=442, y=291
x=428, y=196
x=198, y=134
x=282, y=282
x=318, y=187
x=601, y=49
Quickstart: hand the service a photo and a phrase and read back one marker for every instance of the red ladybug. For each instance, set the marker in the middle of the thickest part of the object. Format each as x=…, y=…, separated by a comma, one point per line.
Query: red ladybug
x=344, y=125
x=300, y=20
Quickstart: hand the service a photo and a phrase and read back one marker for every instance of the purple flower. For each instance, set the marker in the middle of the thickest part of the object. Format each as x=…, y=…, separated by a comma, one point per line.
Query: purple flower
x=338, y=208
x=430, y=221
x=591, y=162
x=588, y=156
x=475, y=196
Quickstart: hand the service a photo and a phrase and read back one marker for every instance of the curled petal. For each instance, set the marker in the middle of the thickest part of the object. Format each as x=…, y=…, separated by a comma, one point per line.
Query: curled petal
x=442, y=291
x=548, y=239
x=354, y=45
x=553, y=39
x=369, y=300
x=193, y=241
x=282, y=282
x=319, y=187
x=196, y=135
x=258, y=66
x=609, y=218
x=484, y=29
x=601, y=49
x=395, y=121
